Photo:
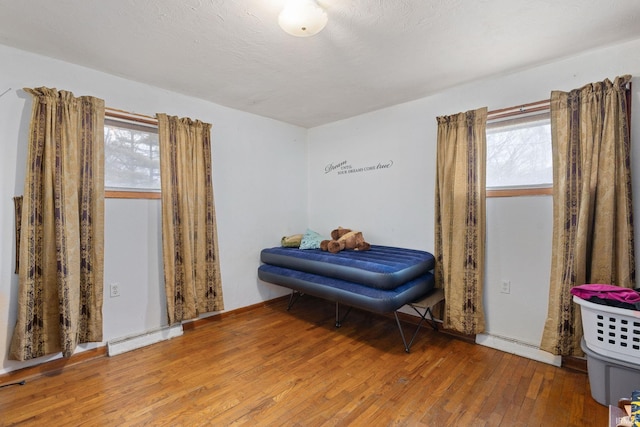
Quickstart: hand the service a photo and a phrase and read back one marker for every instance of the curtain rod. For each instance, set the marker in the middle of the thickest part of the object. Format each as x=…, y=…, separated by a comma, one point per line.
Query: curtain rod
x=537, y=106
x=521, y=109
x=121, y=114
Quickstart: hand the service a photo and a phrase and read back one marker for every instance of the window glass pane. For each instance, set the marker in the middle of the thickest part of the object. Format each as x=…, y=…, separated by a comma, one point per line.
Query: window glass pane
x=131, y=153
x=519, y=152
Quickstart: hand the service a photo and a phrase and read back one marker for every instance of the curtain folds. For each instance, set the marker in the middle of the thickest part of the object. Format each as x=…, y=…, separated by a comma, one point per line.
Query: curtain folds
x=460, y=218
x=61, y=227
x=593, y=238
x=189, y=237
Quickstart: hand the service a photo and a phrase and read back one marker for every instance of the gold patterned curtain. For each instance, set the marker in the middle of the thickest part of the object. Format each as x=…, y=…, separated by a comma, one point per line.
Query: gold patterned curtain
x=189, y=237
x=61, y=227
x=592, y=211
x=460, y=218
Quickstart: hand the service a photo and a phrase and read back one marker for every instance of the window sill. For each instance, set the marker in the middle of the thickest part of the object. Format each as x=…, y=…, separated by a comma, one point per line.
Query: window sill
x=115, y=194
x=518, y=192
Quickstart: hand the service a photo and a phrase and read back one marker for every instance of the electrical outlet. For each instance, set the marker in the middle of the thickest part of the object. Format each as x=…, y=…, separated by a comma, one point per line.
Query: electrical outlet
x=114, y=289
x=505, y=287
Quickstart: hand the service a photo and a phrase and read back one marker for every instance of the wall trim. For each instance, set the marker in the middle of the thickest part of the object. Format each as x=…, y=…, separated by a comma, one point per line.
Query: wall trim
x=133, y=342
x=519, y=348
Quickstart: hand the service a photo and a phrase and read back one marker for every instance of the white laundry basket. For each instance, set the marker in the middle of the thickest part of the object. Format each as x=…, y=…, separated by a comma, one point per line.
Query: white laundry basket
x=611, y=331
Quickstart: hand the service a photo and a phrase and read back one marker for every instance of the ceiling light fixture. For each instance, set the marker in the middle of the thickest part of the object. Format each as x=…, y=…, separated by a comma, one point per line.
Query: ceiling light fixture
x=302, y=18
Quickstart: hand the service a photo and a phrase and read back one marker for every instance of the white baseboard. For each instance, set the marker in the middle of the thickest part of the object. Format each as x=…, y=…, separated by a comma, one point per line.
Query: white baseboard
x=519, y=348
x=122, y=345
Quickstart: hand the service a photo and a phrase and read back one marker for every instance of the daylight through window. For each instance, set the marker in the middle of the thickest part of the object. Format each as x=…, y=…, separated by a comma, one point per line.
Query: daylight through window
x=519, y=152
x=132, y=159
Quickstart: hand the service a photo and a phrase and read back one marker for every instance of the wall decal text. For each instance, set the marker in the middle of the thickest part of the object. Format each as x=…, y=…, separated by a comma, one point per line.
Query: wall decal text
x=344, y=167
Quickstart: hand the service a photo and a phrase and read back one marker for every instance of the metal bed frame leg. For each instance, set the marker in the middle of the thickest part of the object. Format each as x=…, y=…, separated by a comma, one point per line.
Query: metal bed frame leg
x=404, y=341
x=423, y=318
x=293, y=298
x=426, y=303
x=338, y=320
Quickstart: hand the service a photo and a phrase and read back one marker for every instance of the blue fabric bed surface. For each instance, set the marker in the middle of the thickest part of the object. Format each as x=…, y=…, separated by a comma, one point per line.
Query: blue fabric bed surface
x=382, y=267
x=348, y=293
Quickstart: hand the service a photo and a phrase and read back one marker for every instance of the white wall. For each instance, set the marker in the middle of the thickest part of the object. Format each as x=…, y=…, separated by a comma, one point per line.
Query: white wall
x=395, y=206
x=259, y=183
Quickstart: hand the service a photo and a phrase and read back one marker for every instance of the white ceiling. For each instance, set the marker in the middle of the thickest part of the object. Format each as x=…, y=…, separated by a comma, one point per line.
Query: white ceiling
x=372, y=53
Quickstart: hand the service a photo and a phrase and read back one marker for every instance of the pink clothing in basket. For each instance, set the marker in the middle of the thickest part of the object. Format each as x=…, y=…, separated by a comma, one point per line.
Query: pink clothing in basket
x=608, y=294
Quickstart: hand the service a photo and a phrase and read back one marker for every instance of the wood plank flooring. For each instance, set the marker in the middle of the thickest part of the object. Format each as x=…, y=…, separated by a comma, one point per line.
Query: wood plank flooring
x=273, y=367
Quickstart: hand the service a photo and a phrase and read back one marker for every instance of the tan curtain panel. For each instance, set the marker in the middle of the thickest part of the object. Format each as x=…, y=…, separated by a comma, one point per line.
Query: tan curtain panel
x=460, y=218
x=61, y=236
x=189, y=237
x=592, y=211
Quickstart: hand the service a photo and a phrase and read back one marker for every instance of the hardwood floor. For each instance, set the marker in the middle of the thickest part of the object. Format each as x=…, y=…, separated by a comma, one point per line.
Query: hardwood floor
x=273, y=367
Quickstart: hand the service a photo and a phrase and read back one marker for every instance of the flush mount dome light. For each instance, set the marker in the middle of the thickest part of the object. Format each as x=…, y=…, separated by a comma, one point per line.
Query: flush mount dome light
x=302, y=18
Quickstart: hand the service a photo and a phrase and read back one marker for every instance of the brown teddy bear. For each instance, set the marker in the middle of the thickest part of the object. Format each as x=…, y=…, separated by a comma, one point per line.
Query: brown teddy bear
x=344, y=238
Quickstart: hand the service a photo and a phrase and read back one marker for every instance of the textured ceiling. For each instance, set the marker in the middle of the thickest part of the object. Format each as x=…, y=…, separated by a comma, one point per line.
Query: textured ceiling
x=372, y=53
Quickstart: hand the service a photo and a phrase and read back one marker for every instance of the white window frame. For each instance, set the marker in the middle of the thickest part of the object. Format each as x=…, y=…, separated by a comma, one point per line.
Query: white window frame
x=497, y=116
x=138, y=120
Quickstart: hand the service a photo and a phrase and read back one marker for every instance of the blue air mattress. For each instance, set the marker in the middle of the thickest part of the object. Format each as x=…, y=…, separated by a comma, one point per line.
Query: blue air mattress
x=381, y=267
x=349, y=293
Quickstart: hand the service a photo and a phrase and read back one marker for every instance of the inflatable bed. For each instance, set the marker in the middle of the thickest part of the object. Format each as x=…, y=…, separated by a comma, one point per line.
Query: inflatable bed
x=379, y=280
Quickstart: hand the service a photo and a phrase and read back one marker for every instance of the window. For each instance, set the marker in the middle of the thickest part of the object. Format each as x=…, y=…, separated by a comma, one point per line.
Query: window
x=132, y=159
x=519, y=158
